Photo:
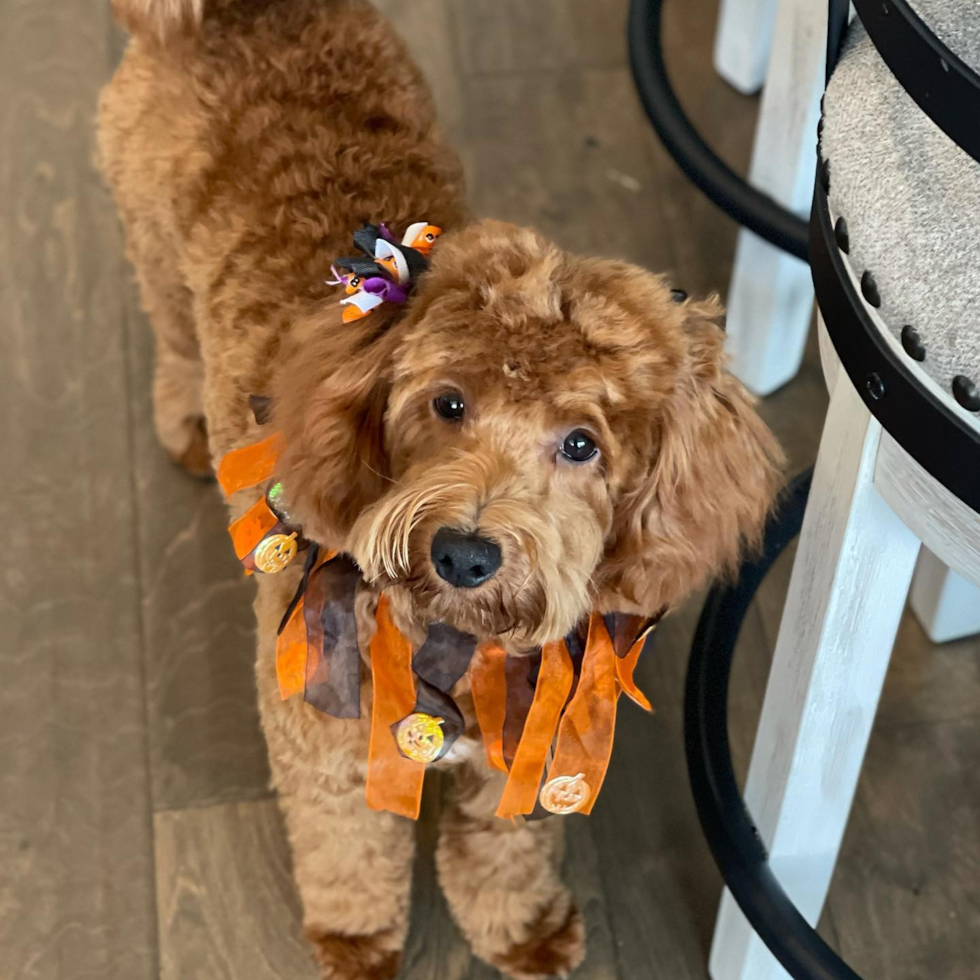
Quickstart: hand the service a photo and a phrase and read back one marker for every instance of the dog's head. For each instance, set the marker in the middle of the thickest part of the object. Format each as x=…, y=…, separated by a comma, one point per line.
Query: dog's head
x=536, y=436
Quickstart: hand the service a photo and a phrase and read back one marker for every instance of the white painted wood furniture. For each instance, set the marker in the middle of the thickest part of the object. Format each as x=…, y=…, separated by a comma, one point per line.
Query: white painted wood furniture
x=896, y=221
x=743, y=40
x=770, y=299
x=870, y=507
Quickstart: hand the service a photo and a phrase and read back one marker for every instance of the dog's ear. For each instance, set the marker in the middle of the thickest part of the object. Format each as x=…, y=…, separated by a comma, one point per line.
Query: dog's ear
x=329, y=403
x=704, y=493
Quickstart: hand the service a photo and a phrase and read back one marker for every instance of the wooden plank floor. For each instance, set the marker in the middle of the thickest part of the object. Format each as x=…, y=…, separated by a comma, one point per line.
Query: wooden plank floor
x=138, y=837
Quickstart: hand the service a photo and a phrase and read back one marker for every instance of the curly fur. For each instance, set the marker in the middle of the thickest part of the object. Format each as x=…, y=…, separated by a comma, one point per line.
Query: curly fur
x=244, y=140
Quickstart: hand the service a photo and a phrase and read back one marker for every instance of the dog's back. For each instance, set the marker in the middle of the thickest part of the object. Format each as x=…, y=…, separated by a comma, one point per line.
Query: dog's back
x=244, y=141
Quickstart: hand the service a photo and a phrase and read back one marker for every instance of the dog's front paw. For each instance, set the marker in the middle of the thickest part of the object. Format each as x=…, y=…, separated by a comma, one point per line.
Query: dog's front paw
x=555, y=945
x=195, y=454
x=374, y=957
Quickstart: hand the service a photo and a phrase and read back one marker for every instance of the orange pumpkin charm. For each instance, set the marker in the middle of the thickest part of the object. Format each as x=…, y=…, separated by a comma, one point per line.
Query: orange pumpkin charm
x=565, y=794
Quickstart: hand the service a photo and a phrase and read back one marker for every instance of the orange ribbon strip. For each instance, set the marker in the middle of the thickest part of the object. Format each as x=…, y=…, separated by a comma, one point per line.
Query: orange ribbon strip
x=488, y=684
x=550, y=693
x=252, y=527
x=585, y=737
x=249, y=465
x=625, y=666
x=291, y=650
x=394, y=782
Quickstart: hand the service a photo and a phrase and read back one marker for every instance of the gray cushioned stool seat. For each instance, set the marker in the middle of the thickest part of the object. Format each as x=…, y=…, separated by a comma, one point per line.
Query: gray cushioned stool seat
x=911, y=201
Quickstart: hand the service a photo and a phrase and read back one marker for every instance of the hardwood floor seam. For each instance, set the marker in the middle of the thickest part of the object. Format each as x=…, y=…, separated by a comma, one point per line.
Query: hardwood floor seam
x=257, y=797
x=126, y=326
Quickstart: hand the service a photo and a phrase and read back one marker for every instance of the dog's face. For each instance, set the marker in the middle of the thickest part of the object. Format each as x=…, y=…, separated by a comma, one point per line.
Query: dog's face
x=538, y=435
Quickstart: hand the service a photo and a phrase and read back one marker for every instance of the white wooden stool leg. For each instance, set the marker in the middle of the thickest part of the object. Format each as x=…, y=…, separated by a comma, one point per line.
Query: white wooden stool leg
x=946, y=604
x=743, y=40
x=770, y=300
x=846, y=596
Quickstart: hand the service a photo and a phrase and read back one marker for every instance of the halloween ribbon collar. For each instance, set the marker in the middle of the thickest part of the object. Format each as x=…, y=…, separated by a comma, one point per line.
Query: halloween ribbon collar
x=558, y=701
x=561, y=697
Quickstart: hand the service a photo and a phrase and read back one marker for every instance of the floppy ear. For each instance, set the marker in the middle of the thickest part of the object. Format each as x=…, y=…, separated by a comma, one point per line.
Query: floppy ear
x=705, y=493
x=329, y=404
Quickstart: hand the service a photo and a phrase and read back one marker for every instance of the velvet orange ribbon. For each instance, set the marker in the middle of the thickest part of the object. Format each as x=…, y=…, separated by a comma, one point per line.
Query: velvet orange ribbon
x=249, y=465
x=488, y=687
x=626, y=665
x=249, y=529
x=394, y=782
x=291, y=650
x=585, y=736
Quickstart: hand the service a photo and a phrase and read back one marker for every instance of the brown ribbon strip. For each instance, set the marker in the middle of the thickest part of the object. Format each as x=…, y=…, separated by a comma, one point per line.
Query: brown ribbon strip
x=554, y=683
x=625, y=629
x=292, y=644
x=520, y=676
x=249, y=465
x=488, y=686
x=439, y=663
x=333, y=656
x=585, y=736
x=394, y=782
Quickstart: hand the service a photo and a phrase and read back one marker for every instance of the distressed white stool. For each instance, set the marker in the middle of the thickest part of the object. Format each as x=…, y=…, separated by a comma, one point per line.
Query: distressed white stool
x=894, y=246
x=770, y=299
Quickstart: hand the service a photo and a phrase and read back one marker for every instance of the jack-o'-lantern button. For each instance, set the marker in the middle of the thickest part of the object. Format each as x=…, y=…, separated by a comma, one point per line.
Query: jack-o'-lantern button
x=420, y=737
x=275, y=552
x=565, y=794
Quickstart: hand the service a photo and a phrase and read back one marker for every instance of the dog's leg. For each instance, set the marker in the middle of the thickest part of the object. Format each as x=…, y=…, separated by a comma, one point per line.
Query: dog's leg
x=353, y=866
x=501, y=880
x=353, y=869
x=178, y=380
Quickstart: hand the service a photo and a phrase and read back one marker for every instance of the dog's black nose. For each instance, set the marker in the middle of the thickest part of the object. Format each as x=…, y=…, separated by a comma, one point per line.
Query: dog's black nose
x=464, y=560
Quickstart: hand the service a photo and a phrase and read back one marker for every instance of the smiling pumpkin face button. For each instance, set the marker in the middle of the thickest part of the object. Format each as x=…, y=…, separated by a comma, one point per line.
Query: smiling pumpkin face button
x=275, y=552
x=565, y=794
x=420, y=737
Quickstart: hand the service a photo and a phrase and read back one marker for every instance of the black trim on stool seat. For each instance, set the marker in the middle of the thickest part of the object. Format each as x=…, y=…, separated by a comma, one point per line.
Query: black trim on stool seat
x=931, y=432
x=944, y=86
x=728, y=827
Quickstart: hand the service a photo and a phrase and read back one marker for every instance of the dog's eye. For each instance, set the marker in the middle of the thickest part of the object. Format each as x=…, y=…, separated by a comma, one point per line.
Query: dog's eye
x=450, y=405
x=579, y=446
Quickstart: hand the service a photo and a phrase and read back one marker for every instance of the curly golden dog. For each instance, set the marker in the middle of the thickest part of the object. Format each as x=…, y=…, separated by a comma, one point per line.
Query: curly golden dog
x=567, y=417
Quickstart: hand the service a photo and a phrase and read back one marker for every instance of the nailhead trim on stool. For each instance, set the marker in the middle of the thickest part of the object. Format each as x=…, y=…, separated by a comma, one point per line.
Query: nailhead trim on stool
x=926, y=426
x=965, y=392
x=869, y=289
x=825, y=175
x=912, y=343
